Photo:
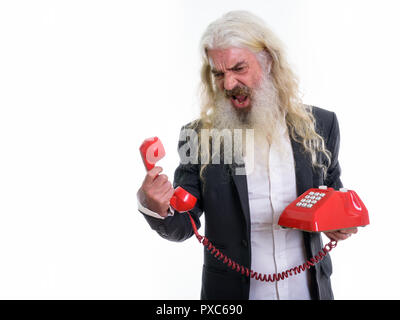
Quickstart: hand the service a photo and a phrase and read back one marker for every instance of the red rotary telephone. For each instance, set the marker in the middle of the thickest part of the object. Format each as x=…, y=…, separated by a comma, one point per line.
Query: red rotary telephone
x=316, y=210
x=312, y=211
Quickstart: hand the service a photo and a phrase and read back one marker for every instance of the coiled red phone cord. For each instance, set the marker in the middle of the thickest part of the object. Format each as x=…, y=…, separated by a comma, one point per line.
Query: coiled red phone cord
x=258, y=276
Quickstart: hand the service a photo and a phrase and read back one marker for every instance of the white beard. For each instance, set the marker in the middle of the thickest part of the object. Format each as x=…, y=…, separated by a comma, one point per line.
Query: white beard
x=264, y=116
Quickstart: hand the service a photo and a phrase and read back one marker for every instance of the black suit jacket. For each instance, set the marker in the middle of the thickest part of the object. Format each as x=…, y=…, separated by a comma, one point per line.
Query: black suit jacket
x=223, y=198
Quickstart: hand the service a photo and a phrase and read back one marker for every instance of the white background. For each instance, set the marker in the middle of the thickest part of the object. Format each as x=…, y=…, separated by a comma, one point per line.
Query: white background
x=82, y=83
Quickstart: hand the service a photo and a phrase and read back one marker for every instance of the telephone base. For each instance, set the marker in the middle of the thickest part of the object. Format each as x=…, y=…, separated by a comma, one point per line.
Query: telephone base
x=325, y=209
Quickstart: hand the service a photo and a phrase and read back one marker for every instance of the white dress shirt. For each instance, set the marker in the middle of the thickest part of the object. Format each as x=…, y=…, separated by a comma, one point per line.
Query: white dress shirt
x=272, y=186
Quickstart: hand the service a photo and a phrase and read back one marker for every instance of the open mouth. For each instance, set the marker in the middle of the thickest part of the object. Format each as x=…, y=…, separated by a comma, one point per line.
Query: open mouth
x=239, y=96
x=240, y=101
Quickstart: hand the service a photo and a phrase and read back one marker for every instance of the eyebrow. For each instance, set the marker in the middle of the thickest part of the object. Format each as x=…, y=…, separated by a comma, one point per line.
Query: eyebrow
x=236, y=66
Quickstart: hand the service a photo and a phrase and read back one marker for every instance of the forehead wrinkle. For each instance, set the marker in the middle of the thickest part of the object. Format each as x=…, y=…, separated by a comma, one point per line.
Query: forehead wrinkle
x=214, y=68
x=236, y=65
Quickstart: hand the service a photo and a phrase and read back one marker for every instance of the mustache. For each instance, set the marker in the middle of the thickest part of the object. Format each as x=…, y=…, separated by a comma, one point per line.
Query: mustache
x=238, y=91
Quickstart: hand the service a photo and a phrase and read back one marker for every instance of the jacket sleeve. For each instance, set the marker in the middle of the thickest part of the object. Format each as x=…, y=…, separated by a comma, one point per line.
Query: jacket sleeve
x=178, y=227
x=332, y=178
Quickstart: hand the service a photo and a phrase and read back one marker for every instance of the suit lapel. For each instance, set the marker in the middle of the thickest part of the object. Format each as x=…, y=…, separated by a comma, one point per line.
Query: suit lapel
x=240, y=182
x=303, y=168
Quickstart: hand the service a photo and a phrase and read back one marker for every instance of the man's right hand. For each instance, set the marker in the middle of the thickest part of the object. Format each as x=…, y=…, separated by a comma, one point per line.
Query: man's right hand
x=156, y=192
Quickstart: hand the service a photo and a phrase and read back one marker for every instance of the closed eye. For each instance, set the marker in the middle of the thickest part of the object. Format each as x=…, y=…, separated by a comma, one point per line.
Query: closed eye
x=218, y=74
x=240, y=69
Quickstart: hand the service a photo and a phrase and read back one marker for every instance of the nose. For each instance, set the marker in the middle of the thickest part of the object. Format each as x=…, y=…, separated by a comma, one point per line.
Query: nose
x=229, y=81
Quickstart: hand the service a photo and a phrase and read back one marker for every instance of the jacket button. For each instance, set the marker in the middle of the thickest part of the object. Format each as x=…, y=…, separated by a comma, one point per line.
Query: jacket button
x=244, y=243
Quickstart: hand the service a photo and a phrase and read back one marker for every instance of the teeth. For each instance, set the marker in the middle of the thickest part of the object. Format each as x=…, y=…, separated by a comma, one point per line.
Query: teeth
x=240, y=103
x=237, y=102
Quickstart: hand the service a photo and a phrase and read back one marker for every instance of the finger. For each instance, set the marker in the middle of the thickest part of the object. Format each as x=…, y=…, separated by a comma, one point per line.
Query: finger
x=351, y=231
x=151, y=175
x=156, y=198
x=161, y=188
x=332, y=236
x=166, y=189
x=161, y=180
x=342, y=236
x=348, y=232
x=336, y=235
x=169, y=192
x=165, y=198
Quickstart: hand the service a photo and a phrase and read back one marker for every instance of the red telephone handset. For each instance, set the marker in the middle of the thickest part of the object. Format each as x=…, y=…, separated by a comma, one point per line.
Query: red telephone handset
x=152, y=151
x=316, y=210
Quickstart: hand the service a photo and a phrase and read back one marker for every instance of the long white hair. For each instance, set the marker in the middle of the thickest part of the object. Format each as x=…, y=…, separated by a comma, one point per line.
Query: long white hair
x=242, y=29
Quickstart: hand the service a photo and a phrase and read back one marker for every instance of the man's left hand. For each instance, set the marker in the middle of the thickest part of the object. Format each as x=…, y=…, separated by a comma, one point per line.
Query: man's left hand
x=341, y=234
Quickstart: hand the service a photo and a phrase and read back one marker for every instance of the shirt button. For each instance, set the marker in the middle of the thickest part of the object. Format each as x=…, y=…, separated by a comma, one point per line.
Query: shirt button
x=244, y=243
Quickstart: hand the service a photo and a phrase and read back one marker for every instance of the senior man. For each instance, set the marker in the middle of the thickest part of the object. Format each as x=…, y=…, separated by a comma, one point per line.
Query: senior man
x=247, y=84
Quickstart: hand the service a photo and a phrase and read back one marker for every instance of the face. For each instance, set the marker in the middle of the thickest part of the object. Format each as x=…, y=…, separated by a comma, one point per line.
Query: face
x=236, y=72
